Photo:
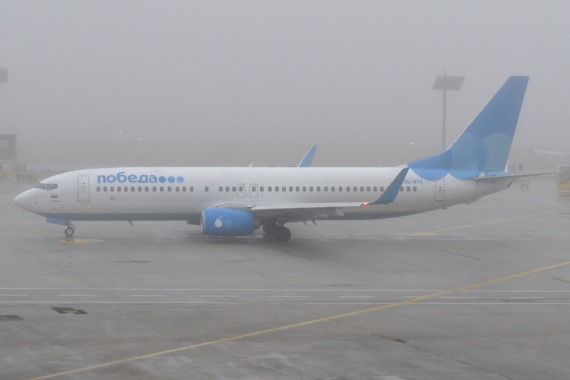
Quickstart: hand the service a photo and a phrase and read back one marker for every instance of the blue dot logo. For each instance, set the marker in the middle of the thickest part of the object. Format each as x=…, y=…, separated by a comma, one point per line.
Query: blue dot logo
x=162, y=179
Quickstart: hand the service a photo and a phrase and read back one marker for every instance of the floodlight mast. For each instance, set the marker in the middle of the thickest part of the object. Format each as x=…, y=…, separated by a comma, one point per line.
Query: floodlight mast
x=446, y=83
x=3, y=75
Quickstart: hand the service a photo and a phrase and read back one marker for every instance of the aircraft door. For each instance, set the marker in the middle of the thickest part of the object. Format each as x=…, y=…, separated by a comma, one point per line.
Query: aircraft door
x=83, y=188
x=440, y=190
x=253, y=190
x=240, y=190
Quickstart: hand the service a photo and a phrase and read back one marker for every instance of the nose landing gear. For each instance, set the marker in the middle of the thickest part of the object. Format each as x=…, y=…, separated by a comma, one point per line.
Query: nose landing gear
x=69, y=230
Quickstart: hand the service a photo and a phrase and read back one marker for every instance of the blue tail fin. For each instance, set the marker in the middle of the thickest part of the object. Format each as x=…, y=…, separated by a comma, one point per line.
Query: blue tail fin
x=485, y=145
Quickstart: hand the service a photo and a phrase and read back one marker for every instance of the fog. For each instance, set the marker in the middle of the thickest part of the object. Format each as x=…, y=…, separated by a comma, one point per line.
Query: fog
x=108, y=83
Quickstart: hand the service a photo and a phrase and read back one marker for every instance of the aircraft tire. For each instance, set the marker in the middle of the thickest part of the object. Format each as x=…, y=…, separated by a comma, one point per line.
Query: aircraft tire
x=69, y=231
x=282, y=233
x=270, y=228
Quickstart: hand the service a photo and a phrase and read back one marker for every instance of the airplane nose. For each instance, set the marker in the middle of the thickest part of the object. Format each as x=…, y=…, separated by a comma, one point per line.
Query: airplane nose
x=24, y=200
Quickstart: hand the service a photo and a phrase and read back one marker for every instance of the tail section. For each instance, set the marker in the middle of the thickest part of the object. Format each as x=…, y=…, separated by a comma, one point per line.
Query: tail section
x=483, y=148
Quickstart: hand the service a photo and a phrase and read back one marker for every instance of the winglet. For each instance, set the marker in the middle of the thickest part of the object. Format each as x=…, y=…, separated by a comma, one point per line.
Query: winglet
x=307, y=161
x=392, y=190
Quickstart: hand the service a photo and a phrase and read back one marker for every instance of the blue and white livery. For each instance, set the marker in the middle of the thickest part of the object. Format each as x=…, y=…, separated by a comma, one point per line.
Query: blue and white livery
x=234, y=201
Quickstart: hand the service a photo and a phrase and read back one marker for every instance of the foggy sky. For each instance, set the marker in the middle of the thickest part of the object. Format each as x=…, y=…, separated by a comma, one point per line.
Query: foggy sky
x=112, y=83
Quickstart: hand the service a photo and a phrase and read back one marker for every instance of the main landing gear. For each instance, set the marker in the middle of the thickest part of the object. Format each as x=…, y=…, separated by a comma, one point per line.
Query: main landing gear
x=276, y=232
x=69, y=230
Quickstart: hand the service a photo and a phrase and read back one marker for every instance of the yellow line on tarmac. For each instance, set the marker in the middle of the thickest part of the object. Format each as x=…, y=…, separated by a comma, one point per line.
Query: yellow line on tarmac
x=81, y=241
x=301, y=324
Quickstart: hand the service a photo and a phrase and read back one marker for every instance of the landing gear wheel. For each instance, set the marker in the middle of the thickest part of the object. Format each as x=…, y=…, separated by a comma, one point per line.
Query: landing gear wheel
x=282, y=233
x=269, y=228
x=69, y=231
x=276, y=232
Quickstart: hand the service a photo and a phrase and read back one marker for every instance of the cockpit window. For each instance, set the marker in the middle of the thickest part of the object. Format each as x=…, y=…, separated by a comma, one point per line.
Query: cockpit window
x=46, y=186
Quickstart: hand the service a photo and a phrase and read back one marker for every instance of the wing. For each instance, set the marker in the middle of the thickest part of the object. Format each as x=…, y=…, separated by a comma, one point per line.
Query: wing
x=307, y=211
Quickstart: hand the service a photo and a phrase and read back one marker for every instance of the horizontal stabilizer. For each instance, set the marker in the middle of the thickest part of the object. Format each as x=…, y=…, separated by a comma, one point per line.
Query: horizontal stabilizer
x=492, y=178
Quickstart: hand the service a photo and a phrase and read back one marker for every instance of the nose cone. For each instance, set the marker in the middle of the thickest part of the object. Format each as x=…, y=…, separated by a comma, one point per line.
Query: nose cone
x=25, y=200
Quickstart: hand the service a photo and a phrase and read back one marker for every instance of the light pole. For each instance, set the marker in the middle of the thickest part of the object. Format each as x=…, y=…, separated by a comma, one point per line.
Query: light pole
x=446, y=83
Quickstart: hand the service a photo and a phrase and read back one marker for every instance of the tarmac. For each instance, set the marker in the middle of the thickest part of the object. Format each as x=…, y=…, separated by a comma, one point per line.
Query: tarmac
x=477, y=291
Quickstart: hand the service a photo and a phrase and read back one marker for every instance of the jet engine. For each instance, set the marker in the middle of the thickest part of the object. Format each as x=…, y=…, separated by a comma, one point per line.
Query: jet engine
x=227, y=222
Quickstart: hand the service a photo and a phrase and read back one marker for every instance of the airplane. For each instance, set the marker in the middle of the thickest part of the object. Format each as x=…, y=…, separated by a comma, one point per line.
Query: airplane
x=237, y=201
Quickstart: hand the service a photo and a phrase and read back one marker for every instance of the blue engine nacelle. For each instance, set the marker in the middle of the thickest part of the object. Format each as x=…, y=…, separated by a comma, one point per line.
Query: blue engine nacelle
x=226, y=221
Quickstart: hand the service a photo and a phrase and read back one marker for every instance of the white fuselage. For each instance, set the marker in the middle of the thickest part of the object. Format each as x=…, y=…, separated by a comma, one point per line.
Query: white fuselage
x=181, y=193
